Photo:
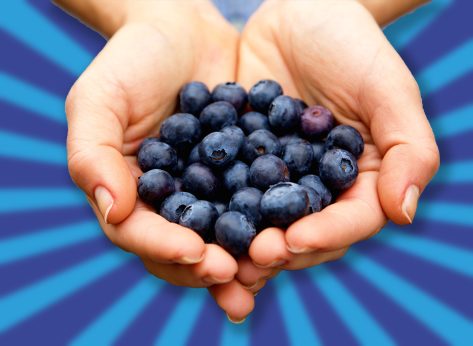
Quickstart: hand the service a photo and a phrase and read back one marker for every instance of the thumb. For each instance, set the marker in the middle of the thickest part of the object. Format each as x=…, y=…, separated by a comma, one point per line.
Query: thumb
x=94, y=142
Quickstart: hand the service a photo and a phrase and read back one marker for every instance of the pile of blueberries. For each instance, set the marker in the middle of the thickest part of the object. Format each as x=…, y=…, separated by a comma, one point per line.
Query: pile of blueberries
x=232, y=163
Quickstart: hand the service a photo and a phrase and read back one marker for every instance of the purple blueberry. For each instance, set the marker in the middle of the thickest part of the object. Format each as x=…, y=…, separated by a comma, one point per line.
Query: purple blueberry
x=157, y=155
x=174, y=205
x=298, y=156
x=338, y=169
x=252, y=121
x=345, y=137
x=231, y=92
x=262, y=94
x=181, y=131
x=200, y=180
x=154, y=186
x=236, y=134
x=268, y=170
x=283, y=115
x=194, y=155
x=314, y=182
x=234, y=232
x=200, y=217
x=285, y=203
x=217, y=115
x=315, y=201
x=301, y=105
x=217, y=149
x=236, y=176
x=247, y=202
x=193, y=97
x=258, y=143
x=316, y=122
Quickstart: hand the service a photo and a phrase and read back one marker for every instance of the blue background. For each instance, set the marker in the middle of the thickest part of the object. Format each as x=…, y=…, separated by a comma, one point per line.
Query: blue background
x=61, y=281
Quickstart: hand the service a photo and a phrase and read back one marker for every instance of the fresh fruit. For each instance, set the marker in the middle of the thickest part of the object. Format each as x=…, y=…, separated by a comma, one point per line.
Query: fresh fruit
x=173, y=206
x=193, y=97
x=154, y=186
x=262, y=94
x=181, y=131
x=201, y=181
x=252, y=121
x=314, y=182
x=217, y=115
x=345, y=137
x=234, y=232
x=298, y=156
x=217, y=149
x=338, y=169
x=268, y=170
x=236, y=177
x=157, y=155
x=258, y=143
x=247, y=202
x=236, y=135
x=316, y=122
x=283, y=115
x=231, y=92
x=200, y=216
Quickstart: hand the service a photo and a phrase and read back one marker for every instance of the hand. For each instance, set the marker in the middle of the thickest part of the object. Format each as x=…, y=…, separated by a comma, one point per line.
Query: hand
x=121, y=98
x=333, y=53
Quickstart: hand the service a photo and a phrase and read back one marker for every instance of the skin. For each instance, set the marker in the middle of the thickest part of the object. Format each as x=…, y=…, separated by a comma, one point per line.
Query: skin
x=339, y=59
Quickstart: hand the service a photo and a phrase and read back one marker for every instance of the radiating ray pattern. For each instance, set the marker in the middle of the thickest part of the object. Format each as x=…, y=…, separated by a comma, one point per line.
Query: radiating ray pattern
x=64, y=283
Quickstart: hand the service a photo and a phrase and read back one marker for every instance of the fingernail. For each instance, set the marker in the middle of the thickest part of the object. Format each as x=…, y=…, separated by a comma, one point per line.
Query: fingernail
x=272, y=264
x=253, y=286
x=235, y=321
x=190, y=260
x=213, y=280
x=409, y=205
x=104, y=201
x=298, y=251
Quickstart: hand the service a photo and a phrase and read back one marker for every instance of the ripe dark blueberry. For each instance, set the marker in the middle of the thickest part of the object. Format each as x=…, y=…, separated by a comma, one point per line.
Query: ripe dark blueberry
x=298, y=156
x=157, y=155
x=178, y=168
x=268, y=170
x=262, y=94
x=194, y=96
x=345, y=137
x=338, y=169
x=236, y=176
x=258, y=143
x=316, y=122
x=319, y=149
x=221, y=207
x=146, y=141
x=217, y=149
x=199, y=180
x=315, y=201
x=301, y=105
x=200, y=216
x=154, y=186
x=194, y=155
x=285, y=203
x=314, y=182
x=181, y=131
x=236, y=134
x=283, y=115
x=284, y=140
x=231, y=92
x=247, y=202
x=253, y=121
x=178, y=184
x=234, y=232
x=218, y=115
x=174, y=205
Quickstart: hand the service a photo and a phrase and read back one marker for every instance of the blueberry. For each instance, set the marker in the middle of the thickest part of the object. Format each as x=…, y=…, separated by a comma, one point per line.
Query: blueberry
x=315, y=201
x=231, y=92
x=260, y=142
x=146, y=141
x=199, y=180
x=179, y=167
x=345, y=137
x=236, y=176
x=236, y=134
x=181, y=131
x=338, y=169
x=218, y=115
x=217, y=149
x=200, y=216
x=194, y=155
x=262, y=94
x=298, y=156
x=301, y=105
x=283, y=115
x=284, y=203
x=154, y=186
x=178, y=184
x=174, y=205
x=316, y=122
x=268, y=170
x=253, y=121
x=247, y=202
x=234, y=232
x=284, y=140
x=220, y=206
x=157, y=155
x=319, y=149
x=314, y=182
x=194, y=96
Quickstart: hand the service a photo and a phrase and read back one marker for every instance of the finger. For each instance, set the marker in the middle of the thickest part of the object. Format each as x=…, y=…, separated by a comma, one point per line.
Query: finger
x=269, y=249
x=312, y=259
x=356, y=215
x=249, y=275
x=234, y=299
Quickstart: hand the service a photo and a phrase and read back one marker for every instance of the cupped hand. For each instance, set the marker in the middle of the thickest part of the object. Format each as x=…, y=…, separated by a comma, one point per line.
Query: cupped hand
x=122, y=97
x=333, y=53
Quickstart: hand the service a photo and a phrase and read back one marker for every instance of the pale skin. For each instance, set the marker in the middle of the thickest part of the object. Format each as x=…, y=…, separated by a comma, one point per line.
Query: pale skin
x=339, y=58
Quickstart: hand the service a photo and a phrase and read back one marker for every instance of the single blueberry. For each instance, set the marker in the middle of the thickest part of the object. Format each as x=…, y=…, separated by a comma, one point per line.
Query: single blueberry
x=194, y=155
x=314, y=182
x=231, y=92
x=174, y=205
x=154, y=186
x=258, y=143
x=178, y=184
x=284, y=203
x=234, y=232
x=338, y=169
x=200, y=180
x=181, y=131
x=220, y=206
x=236, y=176
x=298, y=156
x=218, y=115
x=268, y=170
x=316, y=122
x=283, y=115
x=315, y=201
x=301, y=105
x=262, y=94
x=247, y=202
x=345, y=137
x=236, y=134
x=252, y=121
x=194, y=96
x=200, y=217
x=217, y=149
x=146, y=141
x=157, y=155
